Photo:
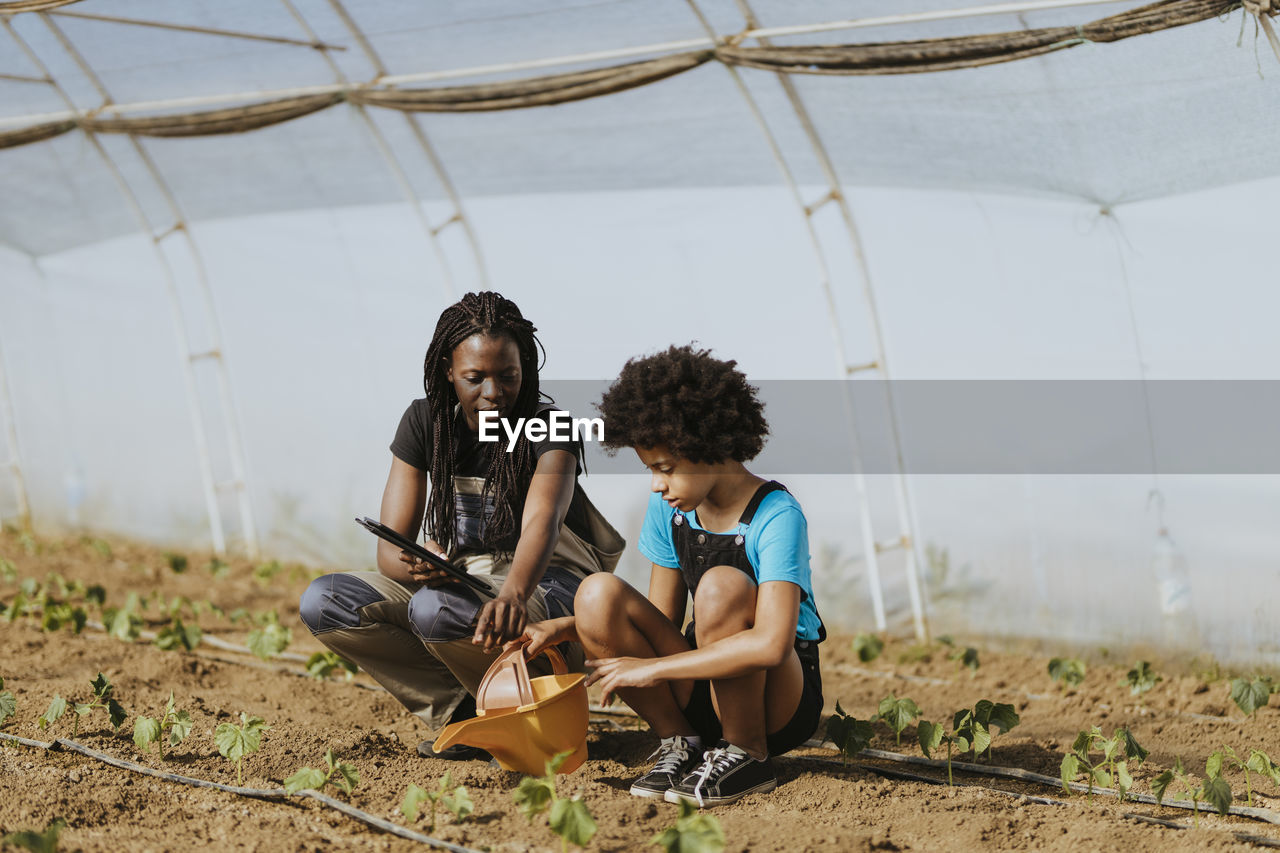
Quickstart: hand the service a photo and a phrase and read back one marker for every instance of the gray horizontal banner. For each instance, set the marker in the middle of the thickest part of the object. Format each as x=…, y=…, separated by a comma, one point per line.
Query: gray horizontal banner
x=998, y=426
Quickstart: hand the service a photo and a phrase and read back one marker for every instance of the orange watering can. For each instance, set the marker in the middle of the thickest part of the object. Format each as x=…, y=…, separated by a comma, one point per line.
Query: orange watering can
x=524, y=722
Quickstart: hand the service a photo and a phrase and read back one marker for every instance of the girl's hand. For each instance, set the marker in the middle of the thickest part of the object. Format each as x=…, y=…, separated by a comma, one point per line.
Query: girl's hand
x=549, y=632
x=615, y=673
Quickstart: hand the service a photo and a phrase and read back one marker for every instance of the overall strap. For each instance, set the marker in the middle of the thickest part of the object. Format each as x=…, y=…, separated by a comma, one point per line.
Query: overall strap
x=761, y=493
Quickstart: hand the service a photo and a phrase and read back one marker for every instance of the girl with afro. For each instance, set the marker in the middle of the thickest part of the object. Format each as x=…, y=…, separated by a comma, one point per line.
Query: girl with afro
x=741, y=683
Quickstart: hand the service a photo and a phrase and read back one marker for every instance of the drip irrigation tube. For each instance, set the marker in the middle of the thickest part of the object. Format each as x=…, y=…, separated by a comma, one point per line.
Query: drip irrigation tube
x=255, y=793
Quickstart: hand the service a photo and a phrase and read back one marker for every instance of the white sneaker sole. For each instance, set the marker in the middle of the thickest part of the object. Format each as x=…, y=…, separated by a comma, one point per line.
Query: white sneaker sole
x=645, y=792
x=674, y=796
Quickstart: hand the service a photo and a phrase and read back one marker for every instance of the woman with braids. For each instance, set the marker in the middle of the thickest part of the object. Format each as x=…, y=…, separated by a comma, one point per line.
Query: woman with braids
x=516, y=519
x=741, y=683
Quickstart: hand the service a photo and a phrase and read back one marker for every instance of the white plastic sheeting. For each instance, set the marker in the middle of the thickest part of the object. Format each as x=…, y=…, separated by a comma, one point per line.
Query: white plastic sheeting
x=1044, y=219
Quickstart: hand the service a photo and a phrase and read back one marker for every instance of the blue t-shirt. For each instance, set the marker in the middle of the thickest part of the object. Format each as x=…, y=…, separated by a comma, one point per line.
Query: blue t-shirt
x=776, y=540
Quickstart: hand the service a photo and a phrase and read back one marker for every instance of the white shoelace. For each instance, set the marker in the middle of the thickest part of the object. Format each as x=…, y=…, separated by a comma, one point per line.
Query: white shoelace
x=714, y=760
x=671, y=754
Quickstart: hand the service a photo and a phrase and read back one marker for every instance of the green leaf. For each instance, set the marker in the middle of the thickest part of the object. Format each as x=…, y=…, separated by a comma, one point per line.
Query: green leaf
x=1217, y=793
x=101, y=687
x=999, y=714
x=82, y=708
x=322, y=664
x=1081, y=744
x=37, y=842
x=1070, y=671
x=1069, y=770
x=850, y=735
x=981, y=738
x=533, y=796
x=8, y=704
x=1249, y=696
x=116, y=713
x=694, y=832
x=179, y=727
x=57, y=708
x=177, y=562
x=1261, y=763
x=306, y=778
x=234, y=742
x=1160, y=785
x=1102, y=776
x=571, y=820
x=96, y=594
x=1213, y=766
x=898, y=713
x=557, y=761
x=929, y=735
x=867, y=647
x=346, y=776
x=146, y=731
x=459, y=802
x=413, y=799
x=269, y=640
x=968, y=657
x=1141, y=678
x=178, y=635
x=1123, y=780
x=1133, y=750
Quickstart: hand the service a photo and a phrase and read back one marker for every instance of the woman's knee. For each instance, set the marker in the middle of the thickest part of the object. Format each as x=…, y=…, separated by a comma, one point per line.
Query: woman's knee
x=333, y=602
x=724, y=604
x=442, y=615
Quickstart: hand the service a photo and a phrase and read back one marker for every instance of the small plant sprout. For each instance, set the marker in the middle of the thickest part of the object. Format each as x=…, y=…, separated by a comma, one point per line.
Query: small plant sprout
x=693, y=832
x=235, y=742
x=149, y=730
x=101, y=699
x=453, y=797
x=177, y=635
x=933, y=735
x=1215, y=791
x=218, y=568
x=967, y=657
x=270, y=638
x=850, y=735
x=37, y=842
x=264, y=573
x=867, y=647
x=1259, y=762
x=1069, y=672
x=1249, y=696
x=568, y=817
x=985, y=716
x=1107, y=768
x=898, y=713
x=323, y=664
x=57, y=707
x=8, y=704
x=1141, y=678
x=177, y=562
x=343, y=775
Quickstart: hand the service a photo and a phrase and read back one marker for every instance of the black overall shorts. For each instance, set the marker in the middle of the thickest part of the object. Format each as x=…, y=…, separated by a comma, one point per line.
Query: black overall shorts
x=699, y=550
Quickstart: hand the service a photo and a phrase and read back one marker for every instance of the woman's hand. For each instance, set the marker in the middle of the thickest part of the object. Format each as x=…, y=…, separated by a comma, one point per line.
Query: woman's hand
x=422, y=571
x=500, y=620
x=549, y=632
x=615, y=673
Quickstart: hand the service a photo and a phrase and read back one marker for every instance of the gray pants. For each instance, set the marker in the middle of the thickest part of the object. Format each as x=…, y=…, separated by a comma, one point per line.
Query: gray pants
x=416, y=641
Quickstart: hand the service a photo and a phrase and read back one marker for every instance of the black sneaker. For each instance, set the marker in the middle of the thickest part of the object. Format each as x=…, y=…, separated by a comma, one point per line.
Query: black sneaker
x=726, y=774
x=676, y=757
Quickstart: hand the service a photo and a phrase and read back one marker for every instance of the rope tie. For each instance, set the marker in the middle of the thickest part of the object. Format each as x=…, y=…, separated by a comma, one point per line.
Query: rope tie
x=1263, y=11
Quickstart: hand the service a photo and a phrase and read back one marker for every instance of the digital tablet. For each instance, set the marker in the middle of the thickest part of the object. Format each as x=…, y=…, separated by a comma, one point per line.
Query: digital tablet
x=377, y=528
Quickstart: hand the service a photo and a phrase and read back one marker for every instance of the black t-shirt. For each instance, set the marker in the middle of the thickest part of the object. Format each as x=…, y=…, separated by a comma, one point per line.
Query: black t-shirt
x=413, y=445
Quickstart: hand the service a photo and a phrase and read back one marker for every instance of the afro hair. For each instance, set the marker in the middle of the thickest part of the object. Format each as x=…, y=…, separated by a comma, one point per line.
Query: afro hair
x=698, y=407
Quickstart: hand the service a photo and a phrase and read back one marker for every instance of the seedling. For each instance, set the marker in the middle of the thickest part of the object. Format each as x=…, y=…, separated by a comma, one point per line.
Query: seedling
x=1249, y=696
x=1141, y=678
x=101, y=699
x=694, y=832
x=340, y=773
x=235, y=742
x=933, y=735
x=867, y=647
x=8, y=571
x=1259, y=762
x=149, y=730
x=124, y=623
x=8, y=704
x=1069, y=671
x=37, y=842
x=270, y=638
x=985, y=716
x=323, y=664
x=453, y=797
x=568, y=817
x=177, y=562
x=218, y=568
x=850, y=735
x=1215, y=791
x=177, y=635
x=1109, y=767
x=898, y=713
x=968, y=657
x=264, y=573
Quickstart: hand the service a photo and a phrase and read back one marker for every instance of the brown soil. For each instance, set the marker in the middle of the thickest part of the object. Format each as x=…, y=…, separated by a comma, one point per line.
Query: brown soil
x=820, y=804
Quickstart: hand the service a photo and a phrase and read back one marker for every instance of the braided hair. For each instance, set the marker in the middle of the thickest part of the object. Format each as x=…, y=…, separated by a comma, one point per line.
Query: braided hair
x=492, y=315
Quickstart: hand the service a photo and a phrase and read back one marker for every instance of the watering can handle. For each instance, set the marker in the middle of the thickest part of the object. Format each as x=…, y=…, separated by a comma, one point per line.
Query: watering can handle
x=506, y=684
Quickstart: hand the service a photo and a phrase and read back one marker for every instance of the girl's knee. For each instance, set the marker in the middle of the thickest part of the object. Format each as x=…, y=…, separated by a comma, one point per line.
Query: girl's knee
x=725, y=603
x=597, y=602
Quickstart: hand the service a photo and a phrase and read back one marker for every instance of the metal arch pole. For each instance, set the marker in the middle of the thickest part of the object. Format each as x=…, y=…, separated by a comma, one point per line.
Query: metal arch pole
x=183, y=343
x=380, y=142
x=14, y=463
x=902, y=494
x=860, y=485
x=230, y=423
x=437, y=164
